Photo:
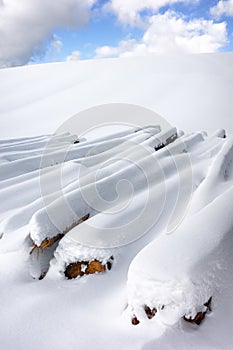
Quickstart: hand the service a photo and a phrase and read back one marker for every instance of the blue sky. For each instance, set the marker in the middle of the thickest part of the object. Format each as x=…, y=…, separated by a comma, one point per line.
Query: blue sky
x=46, y=31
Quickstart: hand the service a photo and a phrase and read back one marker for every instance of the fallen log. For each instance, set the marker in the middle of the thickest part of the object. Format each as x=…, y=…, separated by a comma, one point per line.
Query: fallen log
x=48, y=242
x=81, y=268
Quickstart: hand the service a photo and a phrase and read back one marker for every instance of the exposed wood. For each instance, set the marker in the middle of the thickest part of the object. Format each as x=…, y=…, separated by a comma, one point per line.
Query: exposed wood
x=208, y=304
x=48, y=242
x=150, y=312
x=94, y=266
x=200, y=316
x=81, y=268
x=197, y=319
x=169, y=140
x=135, y=321
x=74, y=270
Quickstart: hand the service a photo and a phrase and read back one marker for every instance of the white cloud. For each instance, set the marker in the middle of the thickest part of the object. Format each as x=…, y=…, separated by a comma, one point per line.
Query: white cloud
x=223, y=7
x=56, y=43
x=128, y=11
x=125, y=48
x=75, y=56
x=170, y=32
x=26, y=24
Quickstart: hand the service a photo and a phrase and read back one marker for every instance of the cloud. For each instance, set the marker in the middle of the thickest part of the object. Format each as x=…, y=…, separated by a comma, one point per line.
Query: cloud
x=75, y=56
x=128, y=11
x=125, y=48
x=25, y=25
x=223, y=7
x=56, y=43
x=171, y=33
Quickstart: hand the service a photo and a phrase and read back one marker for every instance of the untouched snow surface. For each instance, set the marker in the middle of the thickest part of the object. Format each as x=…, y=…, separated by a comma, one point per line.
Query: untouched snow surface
x=184, y=255
x=192, y=92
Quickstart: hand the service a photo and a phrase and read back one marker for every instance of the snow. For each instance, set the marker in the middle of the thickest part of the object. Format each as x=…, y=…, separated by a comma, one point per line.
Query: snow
x=83, y=198
x=171, y=272
x=172, y=206
x=192, y=92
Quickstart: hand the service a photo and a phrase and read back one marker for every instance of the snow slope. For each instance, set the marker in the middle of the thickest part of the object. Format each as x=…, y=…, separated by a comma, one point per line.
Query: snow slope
x=180, y=270
x=192, y=92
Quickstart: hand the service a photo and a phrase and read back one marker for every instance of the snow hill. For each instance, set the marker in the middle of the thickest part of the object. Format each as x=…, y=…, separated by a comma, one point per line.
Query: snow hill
x=192, y=92
x=58, y=288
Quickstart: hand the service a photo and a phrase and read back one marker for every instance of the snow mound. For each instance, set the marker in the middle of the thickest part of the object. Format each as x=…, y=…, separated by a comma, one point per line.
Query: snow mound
x=99, y=172
x=178, y=273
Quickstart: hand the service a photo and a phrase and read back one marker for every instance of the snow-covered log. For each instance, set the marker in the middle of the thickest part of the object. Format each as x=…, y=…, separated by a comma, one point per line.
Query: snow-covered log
x=178, y=273
x=57, y=218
